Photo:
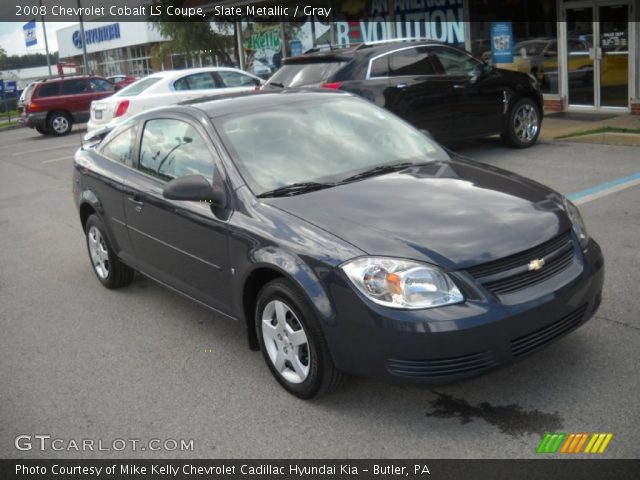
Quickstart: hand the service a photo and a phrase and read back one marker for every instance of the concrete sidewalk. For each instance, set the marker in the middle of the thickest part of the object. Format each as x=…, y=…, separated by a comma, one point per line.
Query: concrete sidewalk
x=557, y=125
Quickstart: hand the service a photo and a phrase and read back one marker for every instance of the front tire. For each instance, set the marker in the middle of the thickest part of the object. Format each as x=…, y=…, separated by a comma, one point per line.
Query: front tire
x=292, y=342
x=523, y=126
x=59, y=124
x=111, y=272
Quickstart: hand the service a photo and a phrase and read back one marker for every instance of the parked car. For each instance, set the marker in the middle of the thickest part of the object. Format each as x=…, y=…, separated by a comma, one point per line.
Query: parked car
x=346, y=240
x=52, y=106
x=123, y=80
x=169, y=87
x=432, y=85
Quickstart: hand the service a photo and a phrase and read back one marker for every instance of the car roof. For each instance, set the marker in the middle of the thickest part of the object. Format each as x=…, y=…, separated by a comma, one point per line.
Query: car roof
x=169, y=74
x=219, y=106
x=365, y=49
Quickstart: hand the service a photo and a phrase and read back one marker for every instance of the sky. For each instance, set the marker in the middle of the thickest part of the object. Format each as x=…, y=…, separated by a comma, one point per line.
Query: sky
x=12, y=38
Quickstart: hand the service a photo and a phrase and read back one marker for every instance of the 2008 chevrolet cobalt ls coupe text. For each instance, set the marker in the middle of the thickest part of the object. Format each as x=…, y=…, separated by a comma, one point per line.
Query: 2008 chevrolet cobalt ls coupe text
x=347, y=240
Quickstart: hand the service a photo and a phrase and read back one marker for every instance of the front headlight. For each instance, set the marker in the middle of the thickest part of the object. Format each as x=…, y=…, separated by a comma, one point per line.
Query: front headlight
x=578, y=223
x=401, y=283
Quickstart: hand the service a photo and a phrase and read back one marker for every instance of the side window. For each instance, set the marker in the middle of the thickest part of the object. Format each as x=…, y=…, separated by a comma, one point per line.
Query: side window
x=411, y=61
x=73, y=87
x=380, y=67
x=172, y=148
x=120, y=147
x=236, y=79
x=100, y=85
x=49, y=89
x=455, y=62
x=197, y=81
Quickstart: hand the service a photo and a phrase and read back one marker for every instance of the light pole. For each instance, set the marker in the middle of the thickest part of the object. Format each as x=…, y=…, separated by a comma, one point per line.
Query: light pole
x=83, y=40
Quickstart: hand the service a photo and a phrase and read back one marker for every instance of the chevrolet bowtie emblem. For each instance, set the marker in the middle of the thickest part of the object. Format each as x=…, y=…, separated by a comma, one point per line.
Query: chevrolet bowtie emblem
x=536, y=264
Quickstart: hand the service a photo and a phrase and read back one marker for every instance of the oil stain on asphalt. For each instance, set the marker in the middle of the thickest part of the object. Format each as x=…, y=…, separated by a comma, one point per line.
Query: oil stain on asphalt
x=510, y=419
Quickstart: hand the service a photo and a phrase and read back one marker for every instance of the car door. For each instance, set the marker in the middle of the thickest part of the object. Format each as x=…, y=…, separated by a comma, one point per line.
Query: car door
x=416, y=91
x=182, y=244
x=233, y=81
x=195, y=85
x=73, y=93
x=479, y=92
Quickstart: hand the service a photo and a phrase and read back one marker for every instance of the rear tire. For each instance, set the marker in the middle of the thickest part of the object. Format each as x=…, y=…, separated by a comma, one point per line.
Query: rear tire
x=523, y=125
x=292, y=342
x=111, y=272
x=59, y=123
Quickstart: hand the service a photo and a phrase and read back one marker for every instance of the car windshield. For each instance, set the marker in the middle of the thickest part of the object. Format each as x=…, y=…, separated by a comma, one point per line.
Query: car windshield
x=304, y=74
x=138, y=87
x=324, y=141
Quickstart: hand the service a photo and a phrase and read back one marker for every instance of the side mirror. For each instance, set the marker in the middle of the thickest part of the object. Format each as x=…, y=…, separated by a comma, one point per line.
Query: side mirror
x=195, y=188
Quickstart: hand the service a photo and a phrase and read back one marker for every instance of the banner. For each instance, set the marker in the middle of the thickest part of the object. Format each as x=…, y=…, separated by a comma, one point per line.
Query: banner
x=502, y=42
x=29, y=30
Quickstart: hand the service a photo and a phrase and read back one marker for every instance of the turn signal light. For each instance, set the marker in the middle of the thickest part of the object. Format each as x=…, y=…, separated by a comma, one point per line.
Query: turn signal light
x=332, y=85
x=121, y=109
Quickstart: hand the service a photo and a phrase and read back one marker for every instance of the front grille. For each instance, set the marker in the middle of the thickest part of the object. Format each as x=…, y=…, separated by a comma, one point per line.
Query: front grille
x=511, y=274
x=466, y=364
x=537, y=339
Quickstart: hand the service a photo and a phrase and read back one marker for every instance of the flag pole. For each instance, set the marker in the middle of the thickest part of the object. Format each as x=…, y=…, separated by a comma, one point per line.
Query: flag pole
x=46, y=43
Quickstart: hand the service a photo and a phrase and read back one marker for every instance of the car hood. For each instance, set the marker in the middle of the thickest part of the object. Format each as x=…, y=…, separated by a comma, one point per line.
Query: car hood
x=454, y=213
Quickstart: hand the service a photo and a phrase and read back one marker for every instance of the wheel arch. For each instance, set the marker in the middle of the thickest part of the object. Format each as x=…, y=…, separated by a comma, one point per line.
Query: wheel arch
x=271, y=264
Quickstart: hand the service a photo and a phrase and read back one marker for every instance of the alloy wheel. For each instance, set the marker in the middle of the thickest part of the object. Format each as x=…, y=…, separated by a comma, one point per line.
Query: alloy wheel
x=98, y=252
x=285, y=341
x=525, y=123
x=60, y=124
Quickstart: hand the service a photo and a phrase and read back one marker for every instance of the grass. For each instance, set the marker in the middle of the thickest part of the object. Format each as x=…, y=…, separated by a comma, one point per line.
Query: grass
x=12, y=123
x=582, y=133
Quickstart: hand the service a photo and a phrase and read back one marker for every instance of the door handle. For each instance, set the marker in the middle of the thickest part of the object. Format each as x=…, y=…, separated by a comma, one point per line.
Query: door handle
x=137, y=202
x=401, y=86
x=458, y=86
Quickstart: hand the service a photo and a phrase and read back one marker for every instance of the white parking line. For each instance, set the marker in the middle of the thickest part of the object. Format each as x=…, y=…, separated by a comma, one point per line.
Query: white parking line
x=64, y=145
x=68, y=157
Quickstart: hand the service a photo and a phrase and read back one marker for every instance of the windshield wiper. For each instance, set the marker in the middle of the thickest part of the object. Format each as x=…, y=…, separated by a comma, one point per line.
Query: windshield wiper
x=276, y=84
x=295, y=189
x=379, y=170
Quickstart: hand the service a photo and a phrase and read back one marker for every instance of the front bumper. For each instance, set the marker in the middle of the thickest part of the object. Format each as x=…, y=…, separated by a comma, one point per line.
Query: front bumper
x=457, y=341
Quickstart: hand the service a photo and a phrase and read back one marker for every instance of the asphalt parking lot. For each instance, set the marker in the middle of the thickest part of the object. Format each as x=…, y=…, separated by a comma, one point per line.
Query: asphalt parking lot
x=78, y=361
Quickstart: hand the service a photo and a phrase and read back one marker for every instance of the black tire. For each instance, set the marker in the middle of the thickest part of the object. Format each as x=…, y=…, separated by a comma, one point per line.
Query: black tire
x=116, y=274
x=59, y=123
x=42, y=130
x=323, y=376
x=516, y=135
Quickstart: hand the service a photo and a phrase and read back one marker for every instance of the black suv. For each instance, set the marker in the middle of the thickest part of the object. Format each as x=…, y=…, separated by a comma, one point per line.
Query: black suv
x=432, y=85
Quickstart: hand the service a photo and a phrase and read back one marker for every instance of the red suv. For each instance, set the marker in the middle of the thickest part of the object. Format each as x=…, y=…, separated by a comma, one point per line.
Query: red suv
x=54, y=105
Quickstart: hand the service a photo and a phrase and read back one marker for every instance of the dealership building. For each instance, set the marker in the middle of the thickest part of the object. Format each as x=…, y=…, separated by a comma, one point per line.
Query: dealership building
x=584, y=53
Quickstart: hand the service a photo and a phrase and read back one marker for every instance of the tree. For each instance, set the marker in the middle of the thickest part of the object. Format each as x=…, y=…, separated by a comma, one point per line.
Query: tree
x=3, y=57
x=191, y=36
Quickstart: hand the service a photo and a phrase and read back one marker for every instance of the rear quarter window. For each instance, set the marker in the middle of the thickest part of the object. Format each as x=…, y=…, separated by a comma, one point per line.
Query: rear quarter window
x=49, y=89
x=305, y=74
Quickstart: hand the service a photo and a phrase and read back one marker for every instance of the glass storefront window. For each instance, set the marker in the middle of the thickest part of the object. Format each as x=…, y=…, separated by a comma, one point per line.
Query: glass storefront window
x=262, y=45
x=534, y=43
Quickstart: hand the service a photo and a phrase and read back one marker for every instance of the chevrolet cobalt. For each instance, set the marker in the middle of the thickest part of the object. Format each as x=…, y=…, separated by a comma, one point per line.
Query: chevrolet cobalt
x=344, y=239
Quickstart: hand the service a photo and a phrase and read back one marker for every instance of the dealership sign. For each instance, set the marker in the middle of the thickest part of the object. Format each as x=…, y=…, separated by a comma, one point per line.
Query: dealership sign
x=434, y=19
x=97, y=35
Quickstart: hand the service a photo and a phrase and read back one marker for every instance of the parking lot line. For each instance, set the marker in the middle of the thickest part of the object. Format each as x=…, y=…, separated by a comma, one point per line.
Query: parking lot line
x=58, y=147
x=604, y=189
x=51, y=160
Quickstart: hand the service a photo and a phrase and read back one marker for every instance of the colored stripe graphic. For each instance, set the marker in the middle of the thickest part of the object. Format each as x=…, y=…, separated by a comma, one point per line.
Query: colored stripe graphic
x=550, y=442
x=598, y=443
x=572, y=443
